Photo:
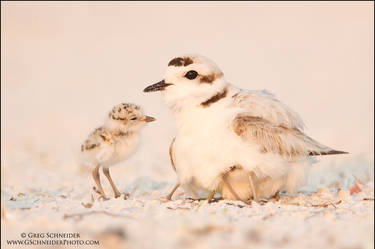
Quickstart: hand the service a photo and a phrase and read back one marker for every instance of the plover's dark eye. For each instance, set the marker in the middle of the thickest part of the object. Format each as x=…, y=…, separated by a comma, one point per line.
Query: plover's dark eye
x=133, y=118
x=191, y=74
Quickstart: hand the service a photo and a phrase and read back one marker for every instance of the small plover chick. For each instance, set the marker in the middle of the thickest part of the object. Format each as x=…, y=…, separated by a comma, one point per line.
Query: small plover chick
x=243, y=144
x=113, y=142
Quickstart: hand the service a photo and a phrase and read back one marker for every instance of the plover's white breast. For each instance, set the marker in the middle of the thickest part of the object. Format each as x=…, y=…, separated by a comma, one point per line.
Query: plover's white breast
x=124, y=147
x=205, y=146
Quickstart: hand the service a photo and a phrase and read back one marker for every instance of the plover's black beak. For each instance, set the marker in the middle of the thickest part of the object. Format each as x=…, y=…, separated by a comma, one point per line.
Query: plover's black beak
x=149, y=119
x=160, y=86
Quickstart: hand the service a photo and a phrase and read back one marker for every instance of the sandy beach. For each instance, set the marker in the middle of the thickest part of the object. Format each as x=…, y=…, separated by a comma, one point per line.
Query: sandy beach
x=65, y=65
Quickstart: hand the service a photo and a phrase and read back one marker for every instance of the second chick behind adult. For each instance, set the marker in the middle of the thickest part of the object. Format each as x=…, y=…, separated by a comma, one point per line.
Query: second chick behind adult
x=113, y=142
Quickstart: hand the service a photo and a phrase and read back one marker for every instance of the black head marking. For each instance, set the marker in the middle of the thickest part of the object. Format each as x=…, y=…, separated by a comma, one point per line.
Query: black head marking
x=179, y=61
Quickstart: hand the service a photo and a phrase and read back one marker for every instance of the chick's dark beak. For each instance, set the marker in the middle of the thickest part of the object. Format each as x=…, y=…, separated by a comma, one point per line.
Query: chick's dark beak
x=160, y=86
x=149, y=119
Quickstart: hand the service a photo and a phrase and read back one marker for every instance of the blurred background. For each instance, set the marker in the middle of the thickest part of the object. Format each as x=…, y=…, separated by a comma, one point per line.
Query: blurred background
x=64, y=65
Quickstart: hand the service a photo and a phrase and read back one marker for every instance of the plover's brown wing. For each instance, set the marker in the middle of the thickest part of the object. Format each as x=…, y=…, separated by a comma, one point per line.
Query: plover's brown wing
x=271, y=138
x=99, y=145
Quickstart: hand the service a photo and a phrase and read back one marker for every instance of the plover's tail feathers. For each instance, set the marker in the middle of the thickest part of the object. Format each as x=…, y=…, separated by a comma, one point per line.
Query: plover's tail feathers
x=324, y=153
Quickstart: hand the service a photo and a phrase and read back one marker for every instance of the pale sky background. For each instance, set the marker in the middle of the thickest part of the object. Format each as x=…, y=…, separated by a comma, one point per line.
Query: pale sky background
x=65, y=64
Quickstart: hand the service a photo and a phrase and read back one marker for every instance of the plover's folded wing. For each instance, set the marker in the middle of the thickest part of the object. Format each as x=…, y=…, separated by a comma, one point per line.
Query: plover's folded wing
x=99, y=146
x=106, y=145
x=265, y=105
x=271, y=138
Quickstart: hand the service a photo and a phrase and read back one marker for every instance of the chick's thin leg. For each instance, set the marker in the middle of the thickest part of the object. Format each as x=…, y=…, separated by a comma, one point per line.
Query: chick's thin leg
x=255, y=197
x=96, y=176
x=229, y=186
x=211, y=195
x=115, y=190
x=212, y=199
x=169, y=196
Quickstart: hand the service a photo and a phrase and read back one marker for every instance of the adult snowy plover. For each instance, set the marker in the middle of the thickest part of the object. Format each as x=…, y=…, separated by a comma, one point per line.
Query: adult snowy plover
x=243, y=144
x=116, y=140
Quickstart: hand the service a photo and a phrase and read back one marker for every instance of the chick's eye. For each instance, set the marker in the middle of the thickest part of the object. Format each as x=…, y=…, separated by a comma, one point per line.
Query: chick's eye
x=191, y=74
x=133, y=118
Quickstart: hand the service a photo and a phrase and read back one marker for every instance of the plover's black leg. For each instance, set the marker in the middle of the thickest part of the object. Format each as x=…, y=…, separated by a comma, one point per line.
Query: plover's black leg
x=276, y=196
x=213, y=199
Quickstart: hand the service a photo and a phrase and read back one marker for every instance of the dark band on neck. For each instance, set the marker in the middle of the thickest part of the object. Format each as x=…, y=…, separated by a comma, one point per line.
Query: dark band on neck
x=215, y=98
